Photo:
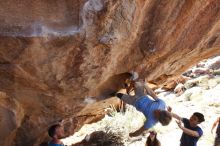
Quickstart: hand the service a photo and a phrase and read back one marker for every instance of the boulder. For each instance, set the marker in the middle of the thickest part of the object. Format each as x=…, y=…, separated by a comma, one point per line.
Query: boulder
x=56, y=54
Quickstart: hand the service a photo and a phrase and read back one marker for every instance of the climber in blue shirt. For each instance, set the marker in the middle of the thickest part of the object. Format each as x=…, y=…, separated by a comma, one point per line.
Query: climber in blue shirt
x=154, y=108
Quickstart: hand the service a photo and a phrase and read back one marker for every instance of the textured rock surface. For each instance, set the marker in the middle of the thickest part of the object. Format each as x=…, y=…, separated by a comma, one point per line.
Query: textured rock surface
x=54, y=54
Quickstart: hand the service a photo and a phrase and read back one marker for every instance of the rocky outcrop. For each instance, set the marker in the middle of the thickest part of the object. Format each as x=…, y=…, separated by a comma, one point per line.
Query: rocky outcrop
x=56, y=56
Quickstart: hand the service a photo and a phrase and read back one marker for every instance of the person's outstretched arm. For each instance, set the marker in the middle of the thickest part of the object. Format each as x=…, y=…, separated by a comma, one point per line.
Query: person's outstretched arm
x=138, y=132
x=176, y=116
x=150, y=92
x=215, y=124
x=188, y=131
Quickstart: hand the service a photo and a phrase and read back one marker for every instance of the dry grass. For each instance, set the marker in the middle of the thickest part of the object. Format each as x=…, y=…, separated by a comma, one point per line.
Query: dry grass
x=114, y=124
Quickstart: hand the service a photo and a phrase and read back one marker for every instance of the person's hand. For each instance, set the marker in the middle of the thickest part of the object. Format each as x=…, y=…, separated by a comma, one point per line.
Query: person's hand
x=179, y=123
x=169, y=109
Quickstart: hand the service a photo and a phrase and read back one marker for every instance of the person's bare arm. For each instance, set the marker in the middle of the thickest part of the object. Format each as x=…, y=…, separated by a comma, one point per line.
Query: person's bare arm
x=176, y=116
x=187, y=131
x=190, y=132
x=215, y=124
x=138, y=132
x=150, y=92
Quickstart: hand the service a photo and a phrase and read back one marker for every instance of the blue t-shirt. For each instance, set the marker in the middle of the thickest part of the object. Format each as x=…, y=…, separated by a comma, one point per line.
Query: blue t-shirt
x=187, y=140
x=147, y=106
x=53, y=144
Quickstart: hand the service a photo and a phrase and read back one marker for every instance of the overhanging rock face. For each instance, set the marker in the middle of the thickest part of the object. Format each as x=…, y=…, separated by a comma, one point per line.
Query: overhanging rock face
x=56, y=54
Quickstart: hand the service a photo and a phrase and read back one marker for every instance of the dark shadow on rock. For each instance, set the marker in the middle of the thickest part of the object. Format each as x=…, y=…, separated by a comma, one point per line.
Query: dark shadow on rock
x=112, y=85
x=44, y=144
x=101, y=138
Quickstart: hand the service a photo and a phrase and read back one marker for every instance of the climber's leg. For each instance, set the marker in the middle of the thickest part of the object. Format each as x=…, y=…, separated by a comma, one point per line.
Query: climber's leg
x=127, y=98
